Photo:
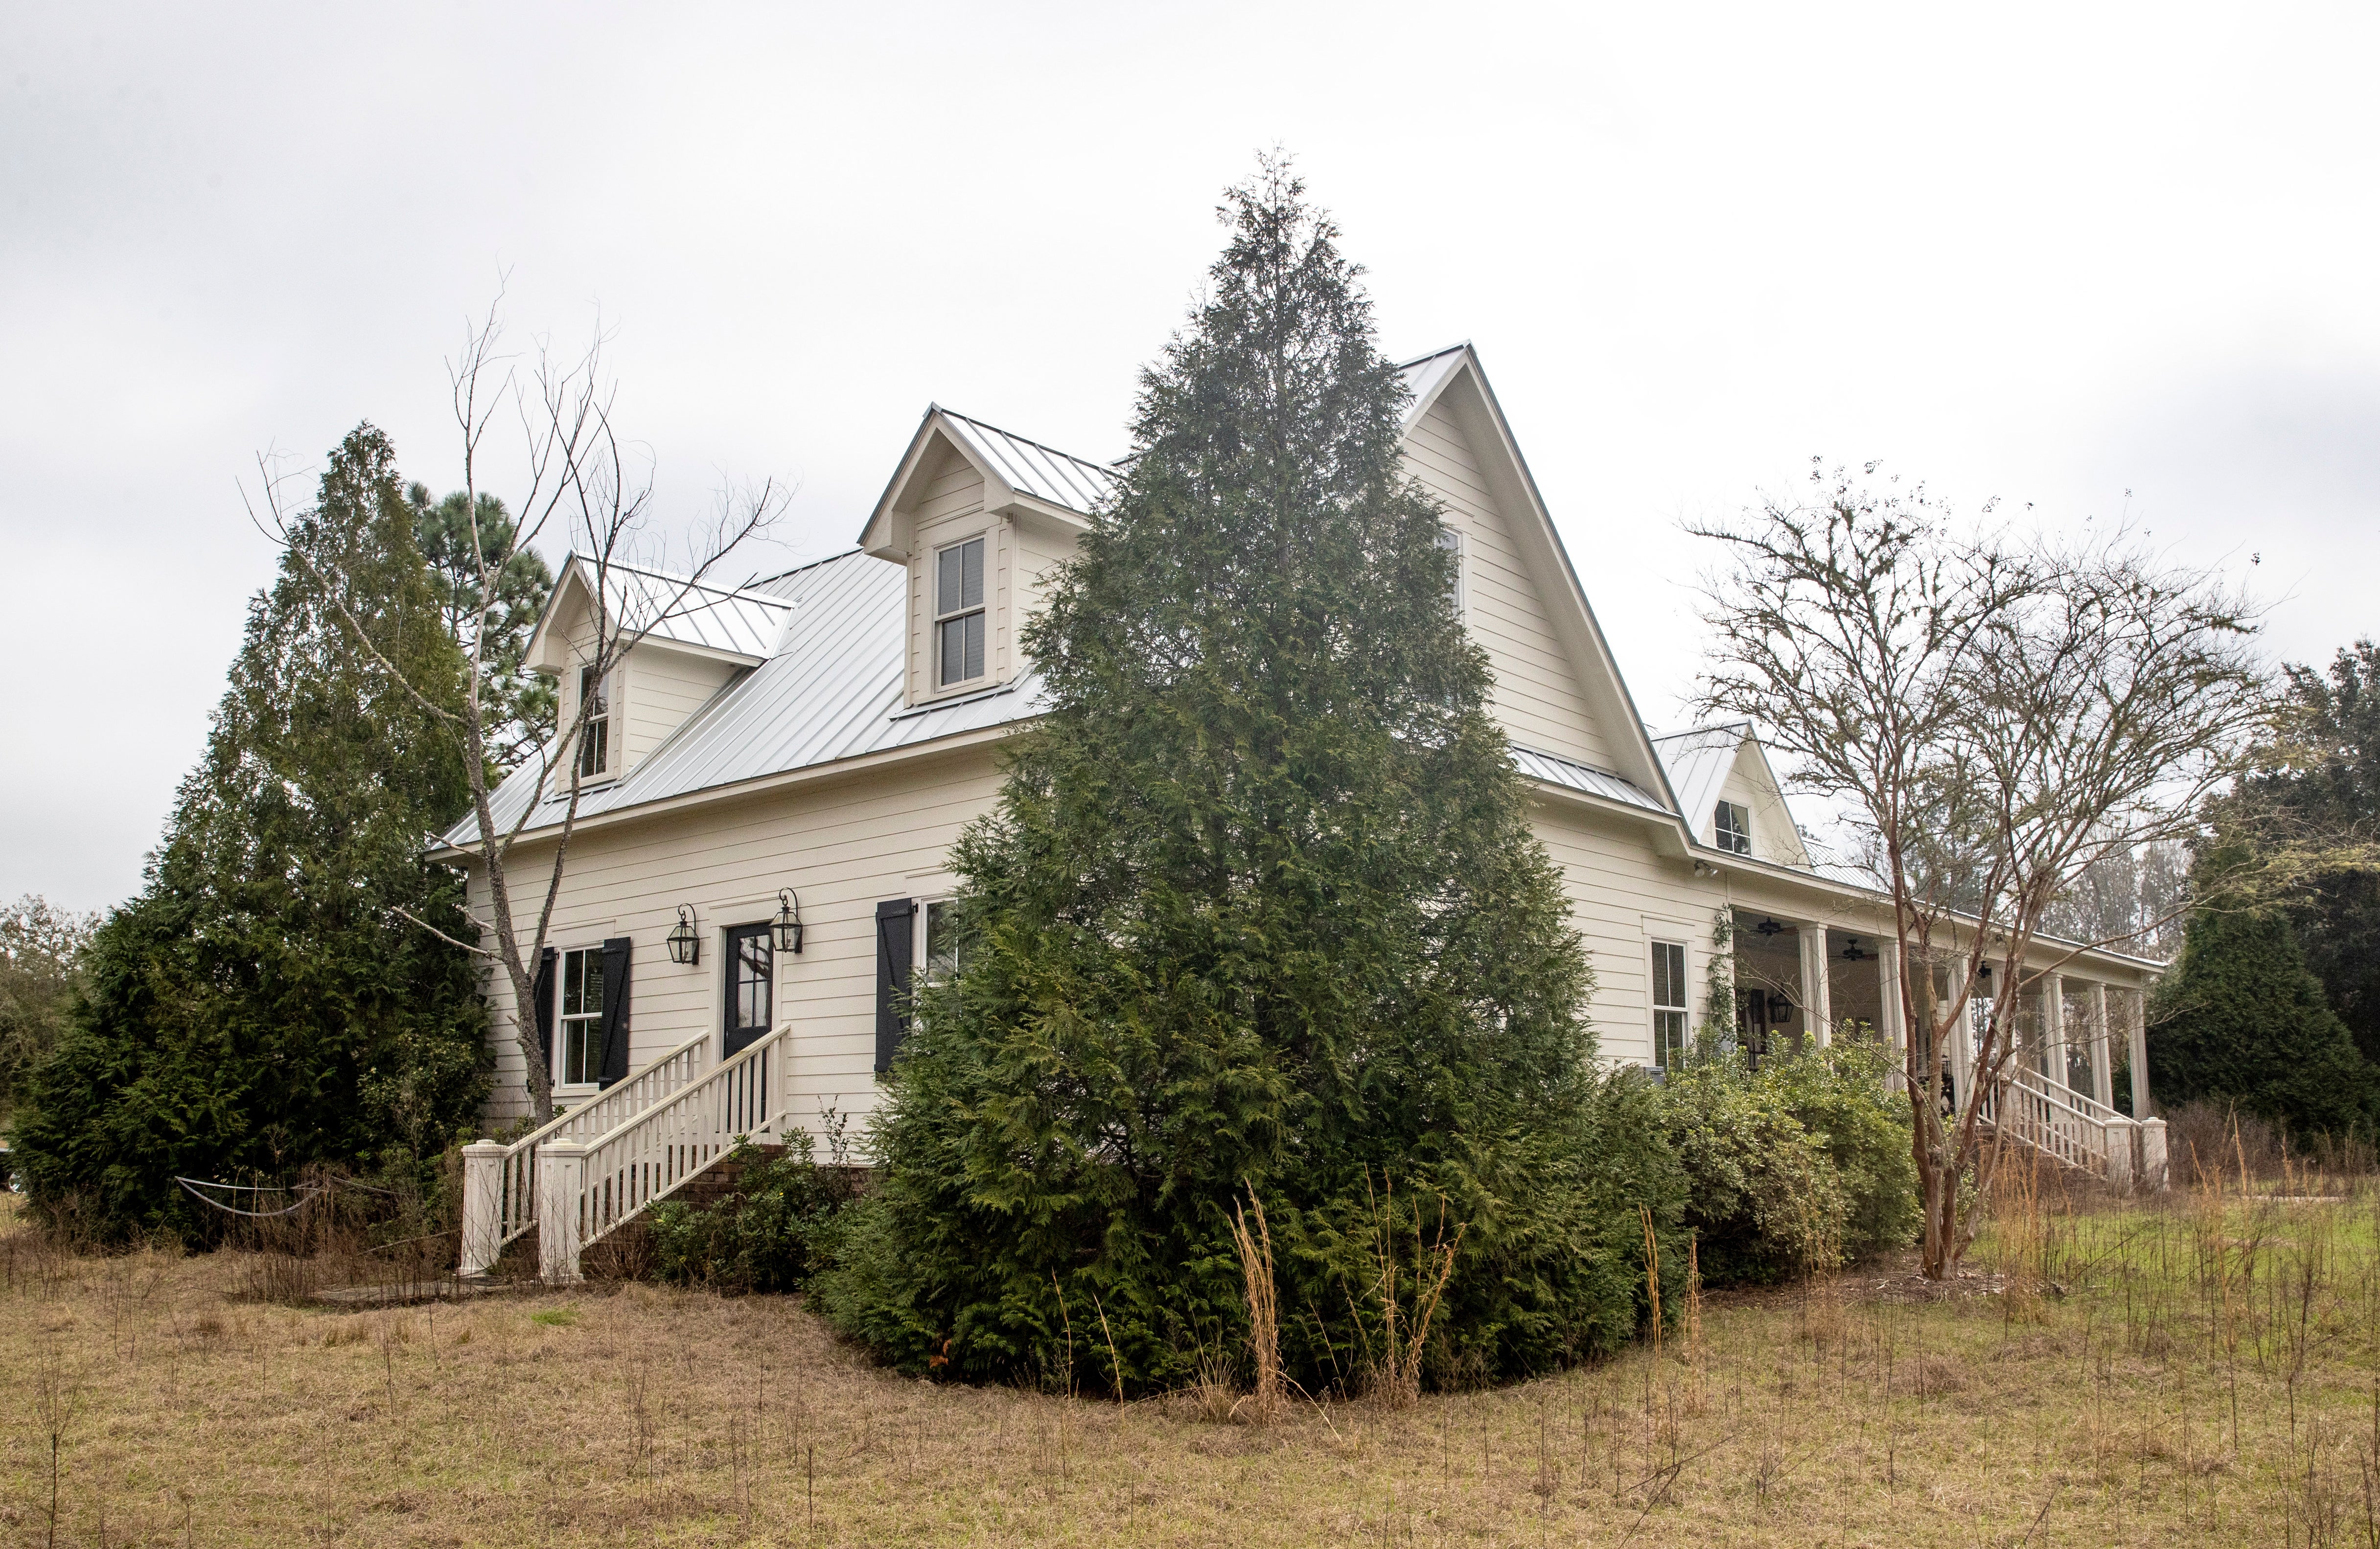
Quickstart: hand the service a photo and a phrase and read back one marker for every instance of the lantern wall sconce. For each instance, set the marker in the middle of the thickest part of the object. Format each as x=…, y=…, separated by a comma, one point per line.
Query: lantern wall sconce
x=1780, y=1008
x=786, y=928
x=684, y=946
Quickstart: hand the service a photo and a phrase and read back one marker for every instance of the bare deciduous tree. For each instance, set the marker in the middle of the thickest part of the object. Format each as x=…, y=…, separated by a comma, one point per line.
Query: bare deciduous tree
x=581, y=491
x=1998, y=720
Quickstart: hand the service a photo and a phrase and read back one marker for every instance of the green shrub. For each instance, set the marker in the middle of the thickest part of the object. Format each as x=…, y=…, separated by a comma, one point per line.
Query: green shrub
x=1801, y=1165
x=767, y=1236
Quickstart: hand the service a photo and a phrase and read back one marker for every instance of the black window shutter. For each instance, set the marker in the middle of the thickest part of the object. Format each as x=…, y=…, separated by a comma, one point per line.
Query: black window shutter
x=895, y=921
x=542, y=997
x=615, y=1007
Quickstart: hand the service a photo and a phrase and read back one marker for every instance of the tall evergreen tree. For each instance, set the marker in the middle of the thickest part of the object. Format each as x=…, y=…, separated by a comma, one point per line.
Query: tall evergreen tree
x=262, y=1004
x=2243, y=1018
x=2331, y=797
x=1258, y=913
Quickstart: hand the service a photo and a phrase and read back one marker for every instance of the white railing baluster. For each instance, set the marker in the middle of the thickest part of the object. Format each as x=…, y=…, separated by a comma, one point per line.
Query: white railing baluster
x=2074, y=1129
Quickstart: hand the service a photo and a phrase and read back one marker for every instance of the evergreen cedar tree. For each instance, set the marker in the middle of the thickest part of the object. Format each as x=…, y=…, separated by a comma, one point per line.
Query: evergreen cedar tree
x=2338, y=920
x=260, y=1005
x=2244, y=1019
x=1258, y=912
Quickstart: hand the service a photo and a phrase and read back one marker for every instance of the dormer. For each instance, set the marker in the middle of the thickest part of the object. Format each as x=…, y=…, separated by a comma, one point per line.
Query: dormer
x=684, y=642
x=1729, y=795
x=979, y=518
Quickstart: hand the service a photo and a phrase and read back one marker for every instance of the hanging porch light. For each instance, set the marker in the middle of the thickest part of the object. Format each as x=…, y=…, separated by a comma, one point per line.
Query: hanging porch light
x=786, y=928
x=684, y=946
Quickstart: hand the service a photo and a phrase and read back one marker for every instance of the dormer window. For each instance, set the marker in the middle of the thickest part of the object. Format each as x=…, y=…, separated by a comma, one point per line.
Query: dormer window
x=1733, y=826
x=595, y=731
x=958, y=613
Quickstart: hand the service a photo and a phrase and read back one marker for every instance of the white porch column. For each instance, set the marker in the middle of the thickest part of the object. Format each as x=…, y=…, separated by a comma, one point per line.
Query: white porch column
x=1817, y=995
x=1889, y=1010
x=1963, y=1051
x=2136, y=1027
x=2103, y=1069
x=561, y=1179
x=483, y=1213
x=2052, y=1027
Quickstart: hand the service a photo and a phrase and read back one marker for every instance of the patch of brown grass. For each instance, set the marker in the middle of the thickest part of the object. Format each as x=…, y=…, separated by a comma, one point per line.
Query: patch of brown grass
x=179, y=1414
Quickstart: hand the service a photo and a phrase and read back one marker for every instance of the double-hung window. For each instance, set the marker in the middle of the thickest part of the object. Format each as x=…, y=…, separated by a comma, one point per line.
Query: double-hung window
x=595, y=733
x=580, y=1041
x=958, y=613
x=1669, y=1004
x=942, y=953
x=1733, y=827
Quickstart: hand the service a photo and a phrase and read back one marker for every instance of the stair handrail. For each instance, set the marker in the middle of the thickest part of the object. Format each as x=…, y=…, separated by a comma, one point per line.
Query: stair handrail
x=2074, y=1129
x=662, y=1148
x=648, y=1084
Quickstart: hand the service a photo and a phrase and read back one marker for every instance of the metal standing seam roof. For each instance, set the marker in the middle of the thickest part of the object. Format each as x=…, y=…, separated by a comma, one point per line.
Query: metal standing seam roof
x=737, y=620
x=830, y=636
x=831, y=690
x=1031, y=468
x=1697, y=763
x=1554, y=770
x=1422, y=373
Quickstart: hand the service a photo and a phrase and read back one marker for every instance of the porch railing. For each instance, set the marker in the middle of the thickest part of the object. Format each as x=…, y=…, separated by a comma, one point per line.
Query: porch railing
x=500, y=1192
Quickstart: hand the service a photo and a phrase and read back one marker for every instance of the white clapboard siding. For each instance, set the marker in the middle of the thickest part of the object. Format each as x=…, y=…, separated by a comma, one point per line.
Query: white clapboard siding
x=659, y=689
x=1536, y=693
x=842, y=843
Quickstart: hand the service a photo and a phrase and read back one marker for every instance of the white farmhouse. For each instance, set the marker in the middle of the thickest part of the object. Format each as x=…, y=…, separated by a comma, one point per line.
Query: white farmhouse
x=808, y=746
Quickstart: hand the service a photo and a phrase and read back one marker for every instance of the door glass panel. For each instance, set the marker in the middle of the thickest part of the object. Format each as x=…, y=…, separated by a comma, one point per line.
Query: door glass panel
x=751, y=983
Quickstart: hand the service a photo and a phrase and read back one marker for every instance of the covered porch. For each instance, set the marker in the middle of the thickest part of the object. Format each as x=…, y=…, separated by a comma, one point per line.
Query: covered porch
x=2077, y=1085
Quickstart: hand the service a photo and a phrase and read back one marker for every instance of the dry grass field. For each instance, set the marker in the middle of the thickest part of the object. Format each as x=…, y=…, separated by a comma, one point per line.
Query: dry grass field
x=2201, y=1372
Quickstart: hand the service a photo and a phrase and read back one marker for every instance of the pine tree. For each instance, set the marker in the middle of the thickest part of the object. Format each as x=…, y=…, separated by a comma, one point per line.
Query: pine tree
x=1258, y=913
x=263, y=1003
x=521, y=703
x=2244, y=1019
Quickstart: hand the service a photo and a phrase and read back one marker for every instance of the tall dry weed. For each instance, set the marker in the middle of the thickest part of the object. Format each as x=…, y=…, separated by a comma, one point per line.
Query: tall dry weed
x=1270, y=1400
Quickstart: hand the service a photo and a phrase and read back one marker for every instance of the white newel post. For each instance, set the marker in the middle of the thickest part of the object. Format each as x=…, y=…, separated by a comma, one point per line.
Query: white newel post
x=1815, y=988
x=1896, y=1022
x=2136, y=1028
x=2103, y=1068
x=2153, y=1161
x=483, y=1206
x=561, y=1179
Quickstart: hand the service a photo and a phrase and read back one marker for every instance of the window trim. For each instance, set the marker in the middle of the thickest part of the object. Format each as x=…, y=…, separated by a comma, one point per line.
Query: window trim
x=566, y=1021
x=595, y=731
x=1742, y=825
x=1669, y=1052
x=1451, y=538
x=938, y=617
x=927, y=957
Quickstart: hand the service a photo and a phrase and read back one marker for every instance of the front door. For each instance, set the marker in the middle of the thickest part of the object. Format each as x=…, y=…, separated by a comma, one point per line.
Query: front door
x=751, y=981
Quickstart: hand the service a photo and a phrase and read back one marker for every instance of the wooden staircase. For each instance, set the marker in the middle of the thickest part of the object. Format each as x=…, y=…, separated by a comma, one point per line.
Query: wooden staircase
x=660, y=1134
x=2052, y=1120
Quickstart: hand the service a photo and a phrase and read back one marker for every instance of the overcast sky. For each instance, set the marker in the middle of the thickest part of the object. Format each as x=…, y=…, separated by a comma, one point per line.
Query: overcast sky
x=2110, y=260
